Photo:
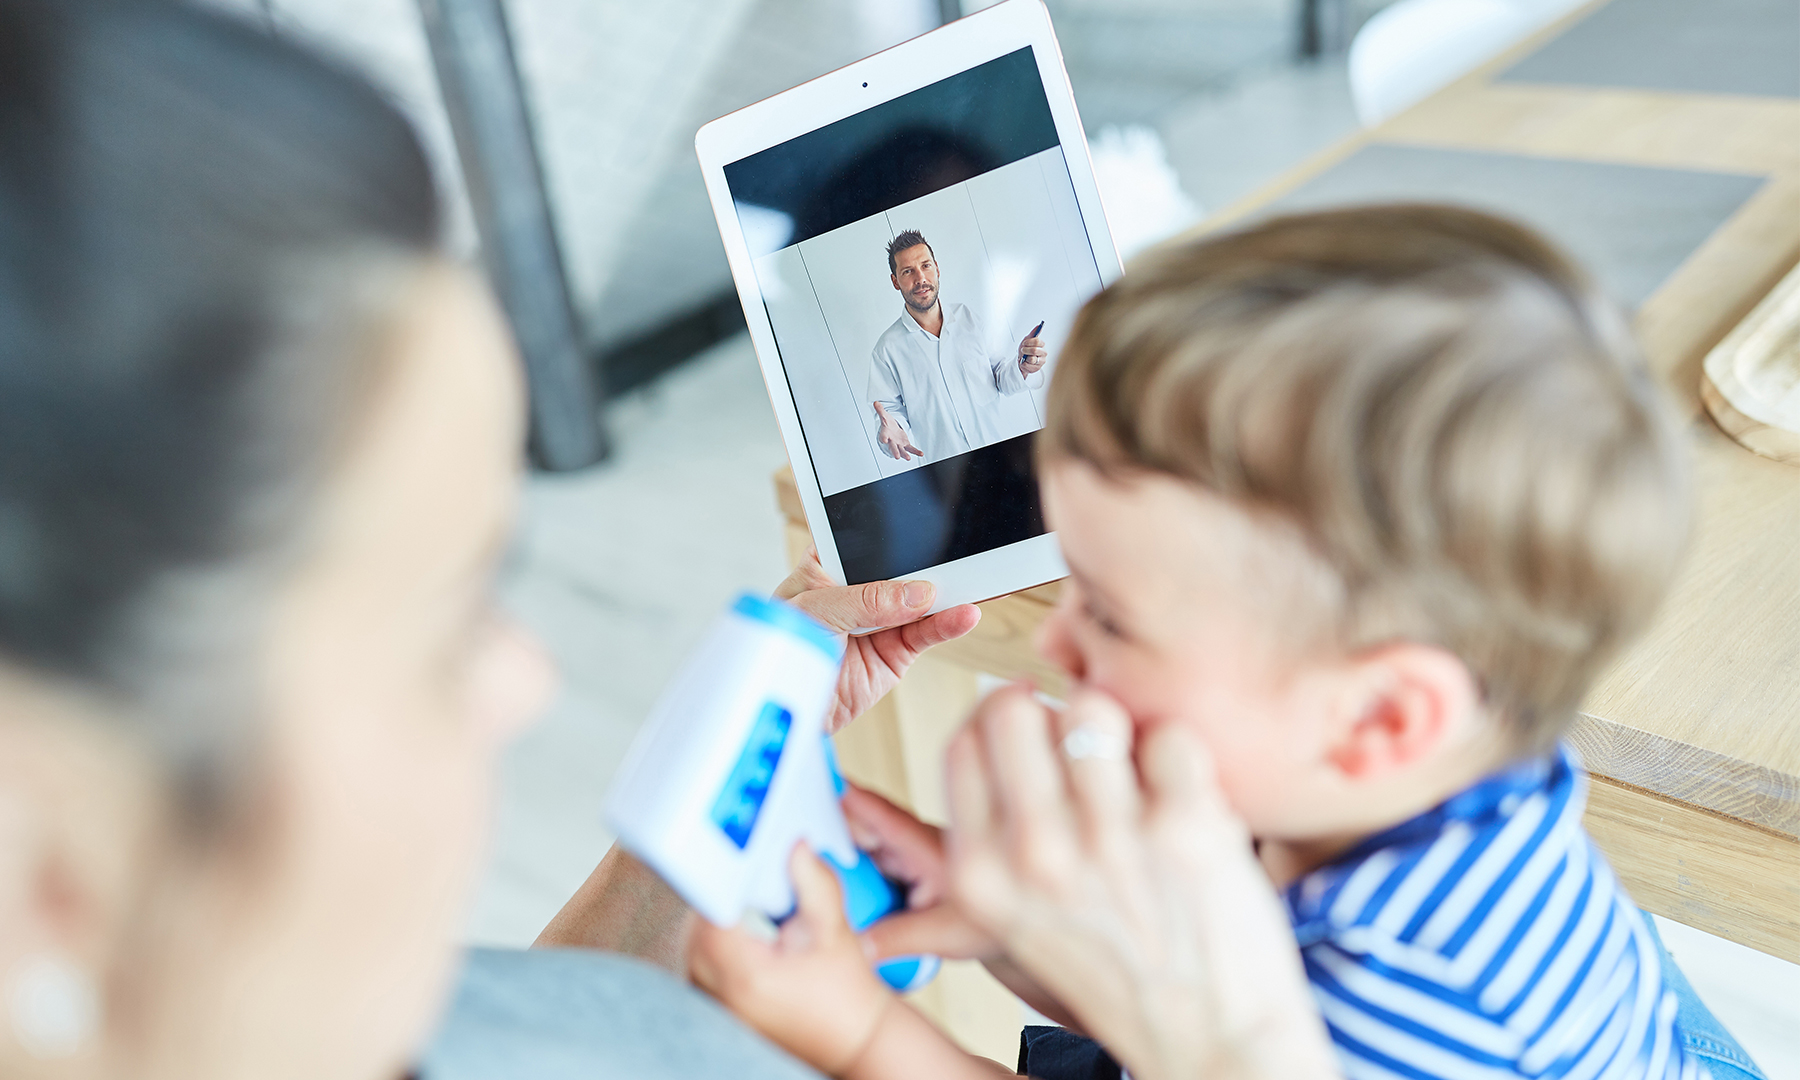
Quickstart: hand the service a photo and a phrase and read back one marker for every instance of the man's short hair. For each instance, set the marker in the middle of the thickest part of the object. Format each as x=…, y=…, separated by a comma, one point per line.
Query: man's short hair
x=1455, y=422
x=911, y=238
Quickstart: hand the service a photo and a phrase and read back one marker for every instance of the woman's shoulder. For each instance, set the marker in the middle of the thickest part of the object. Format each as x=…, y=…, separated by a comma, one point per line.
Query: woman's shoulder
x=555, y=1013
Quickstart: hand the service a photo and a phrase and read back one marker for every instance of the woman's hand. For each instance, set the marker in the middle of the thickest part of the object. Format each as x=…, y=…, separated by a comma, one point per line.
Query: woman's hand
x=873, y=663
x=812, y=990
x=1130, y=893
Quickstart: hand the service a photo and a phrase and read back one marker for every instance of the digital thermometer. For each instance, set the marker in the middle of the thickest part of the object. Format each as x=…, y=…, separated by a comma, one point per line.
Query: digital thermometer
x=733, y=767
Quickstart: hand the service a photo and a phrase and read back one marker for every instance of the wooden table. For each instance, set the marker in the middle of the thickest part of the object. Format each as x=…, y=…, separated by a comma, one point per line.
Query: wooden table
x=1693, y=737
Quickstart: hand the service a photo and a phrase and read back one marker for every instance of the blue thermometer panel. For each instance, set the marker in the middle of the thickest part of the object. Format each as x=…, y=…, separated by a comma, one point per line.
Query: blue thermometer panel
x=741, y=799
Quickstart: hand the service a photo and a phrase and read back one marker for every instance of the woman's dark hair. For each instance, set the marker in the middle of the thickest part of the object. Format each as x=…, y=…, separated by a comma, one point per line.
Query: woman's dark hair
x=184, y=202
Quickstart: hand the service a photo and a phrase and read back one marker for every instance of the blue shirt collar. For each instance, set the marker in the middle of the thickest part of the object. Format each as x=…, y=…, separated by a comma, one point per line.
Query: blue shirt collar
x=1486, y=804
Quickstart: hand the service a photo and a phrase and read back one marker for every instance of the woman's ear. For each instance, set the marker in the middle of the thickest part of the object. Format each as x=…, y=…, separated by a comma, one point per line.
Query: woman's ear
x=75, y=813
x=48, y=1001
x=1406, y=702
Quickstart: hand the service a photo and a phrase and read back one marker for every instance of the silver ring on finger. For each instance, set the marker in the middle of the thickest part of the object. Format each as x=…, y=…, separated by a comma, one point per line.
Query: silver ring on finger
x=1091, y=744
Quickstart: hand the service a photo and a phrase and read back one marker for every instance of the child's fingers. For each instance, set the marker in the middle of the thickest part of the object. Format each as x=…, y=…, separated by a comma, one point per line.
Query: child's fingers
x=722, y=961
x=879, y=826
x=818, y=900
x=870, y=817
x=938, y=931
x=902, y=846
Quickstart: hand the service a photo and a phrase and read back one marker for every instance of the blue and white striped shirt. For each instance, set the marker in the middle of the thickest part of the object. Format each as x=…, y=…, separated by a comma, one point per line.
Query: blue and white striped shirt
x=1488, y=938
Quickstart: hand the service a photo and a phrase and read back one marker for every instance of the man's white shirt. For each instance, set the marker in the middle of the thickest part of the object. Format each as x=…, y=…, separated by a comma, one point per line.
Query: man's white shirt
x=945, y=389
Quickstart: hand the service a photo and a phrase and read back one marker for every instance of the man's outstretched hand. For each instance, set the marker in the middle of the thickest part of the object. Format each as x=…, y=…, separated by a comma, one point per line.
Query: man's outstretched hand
x=893, y=437
x=873, y=663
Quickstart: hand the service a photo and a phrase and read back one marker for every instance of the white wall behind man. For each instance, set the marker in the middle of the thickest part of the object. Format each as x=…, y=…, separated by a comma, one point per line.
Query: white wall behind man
x=839, y=439
x=1039, y=257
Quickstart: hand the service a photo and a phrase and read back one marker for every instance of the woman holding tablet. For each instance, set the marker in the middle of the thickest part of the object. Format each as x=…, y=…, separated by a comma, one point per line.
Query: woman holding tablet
x=259, y=446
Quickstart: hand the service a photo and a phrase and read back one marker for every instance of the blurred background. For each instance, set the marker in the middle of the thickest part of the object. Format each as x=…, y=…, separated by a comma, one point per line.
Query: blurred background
x=1189, y=106
x=616, y=89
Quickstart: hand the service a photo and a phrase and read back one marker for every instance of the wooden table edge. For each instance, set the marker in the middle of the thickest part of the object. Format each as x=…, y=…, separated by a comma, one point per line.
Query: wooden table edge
x=1755, y=795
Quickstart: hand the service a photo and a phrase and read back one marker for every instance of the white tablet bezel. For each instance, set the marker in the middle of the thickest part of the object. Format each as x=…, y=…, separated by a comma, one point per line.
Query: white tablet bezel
x=969, y=42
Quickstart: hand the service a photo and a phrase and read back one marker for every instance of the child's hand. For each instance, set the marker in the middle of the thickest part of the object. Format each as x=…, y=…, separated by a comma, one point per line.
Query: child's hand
x=912, y=853
x=813, y=991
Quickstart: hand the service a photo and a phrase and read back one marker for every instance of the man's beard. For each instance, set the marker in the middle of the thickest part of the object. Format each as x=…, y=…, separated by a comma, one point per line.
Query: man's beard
x=929, y=304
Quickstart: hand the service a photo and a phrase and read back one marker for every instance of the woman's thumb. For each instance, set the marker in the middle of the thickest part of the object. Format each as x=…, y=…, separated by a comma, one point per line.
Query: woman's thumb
x=875, y=603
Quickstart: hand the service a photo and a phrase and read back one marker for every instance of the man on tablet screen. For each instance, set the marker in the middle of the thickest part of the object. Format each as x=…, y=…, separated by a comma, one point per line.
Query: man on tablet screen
x=934, y=370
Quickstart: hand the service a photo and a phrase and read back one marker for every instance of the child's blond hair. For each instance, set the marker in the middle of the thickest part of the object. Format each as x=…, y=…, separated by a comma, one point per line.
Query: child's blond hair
x=1458, y=425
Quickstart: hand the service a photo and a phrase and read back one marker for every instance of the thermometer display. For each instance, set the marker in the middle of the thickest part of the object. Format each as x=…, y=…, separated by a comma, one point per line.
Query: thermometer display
x=741, y=799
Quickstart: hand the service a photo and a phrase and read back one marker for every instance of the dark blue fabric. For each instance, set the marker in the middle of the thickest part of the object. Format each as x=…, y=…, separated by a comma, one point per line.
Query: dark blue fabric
x=1053, y=1053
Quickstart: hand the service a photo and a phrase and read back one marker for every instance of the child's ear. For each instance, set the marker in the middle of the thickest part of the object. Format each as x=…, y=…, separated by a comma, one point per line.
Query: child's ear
x=1405, y=701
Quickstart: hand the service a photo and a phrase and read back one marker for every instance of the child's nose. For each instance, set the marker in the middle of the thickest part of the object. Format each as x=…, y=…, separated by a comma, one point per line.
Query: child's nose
x=1055, y=643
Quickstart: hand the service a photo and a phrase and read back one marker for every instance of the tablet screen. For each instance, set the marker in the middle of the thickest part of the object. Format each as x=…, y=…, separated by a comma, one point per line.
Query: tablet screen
x=905, y=255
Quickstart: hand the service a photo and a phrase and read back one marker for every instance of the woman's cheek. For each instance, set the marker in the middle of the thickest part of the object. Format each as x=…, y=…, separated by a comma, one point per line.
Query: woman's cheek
x=511, y=682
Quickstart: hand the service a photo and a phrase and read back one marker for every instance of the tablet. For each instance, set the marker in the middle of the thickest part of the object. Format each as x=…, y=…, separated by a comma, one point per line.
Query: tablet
x=911, y=237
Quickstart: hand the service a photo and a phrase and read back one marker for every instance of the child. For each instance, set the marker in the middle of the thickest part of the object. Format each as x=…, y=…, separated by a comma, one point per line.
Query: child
x=1365, y=499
